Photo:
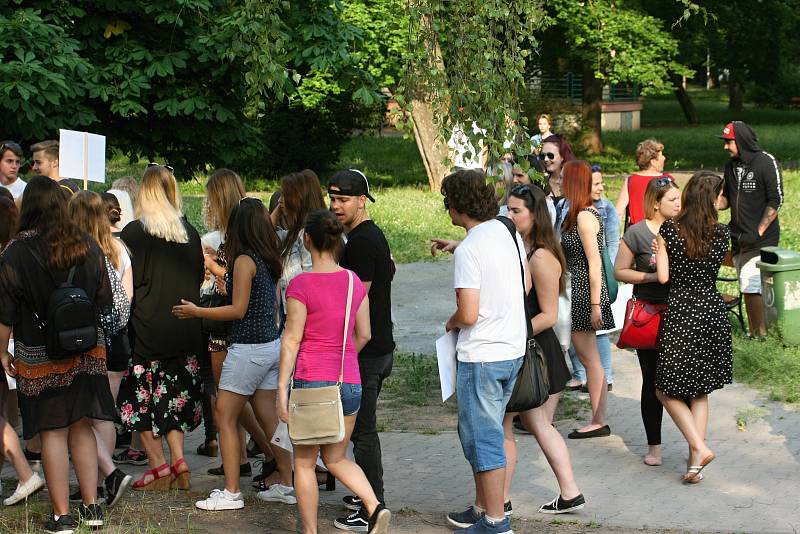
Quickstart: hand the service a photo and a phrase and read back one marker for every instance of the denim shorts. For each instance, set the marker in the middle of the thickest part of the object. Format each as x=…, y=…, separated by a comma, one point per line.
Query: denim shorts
x=351, y=393
x=483, y=391
x=249, y=367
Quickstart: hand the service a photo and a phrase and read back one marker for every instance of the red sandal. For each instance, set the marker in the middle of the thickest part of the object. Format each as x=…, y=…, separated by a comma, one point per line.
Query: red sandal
x=158, y=483
x=180, y=480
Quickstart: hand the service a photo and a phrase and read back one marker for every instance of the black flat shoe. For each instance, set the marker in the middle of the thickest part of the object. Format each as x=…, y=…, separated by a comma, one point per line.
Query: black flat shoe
x=244, y=470
x=601, y=432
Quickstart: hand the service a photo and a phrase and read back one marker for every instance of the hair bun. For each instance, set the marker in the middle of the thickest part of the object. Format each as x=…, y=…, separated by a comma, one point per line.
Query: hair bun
x=332, y=226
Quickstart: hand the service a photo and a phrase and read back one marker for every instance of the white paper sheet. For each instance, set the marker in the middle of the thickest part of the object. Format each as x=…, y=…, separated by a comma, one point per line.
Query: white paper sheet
x=82, y=156
x=618, y=307
x=446, y=357
x=12, y=383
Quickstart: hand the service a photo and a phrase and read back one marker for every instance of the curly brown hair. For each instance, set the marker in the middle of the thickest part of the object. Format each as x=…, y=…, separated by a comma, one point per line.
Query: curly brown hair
x=467, y=192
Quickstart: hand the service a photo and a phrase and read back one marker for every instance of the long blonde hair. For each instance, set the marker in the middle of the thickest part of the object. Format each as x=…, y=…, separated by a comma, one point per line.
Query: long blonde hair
x=158, y=205
x=87, y=211
x=224, y=190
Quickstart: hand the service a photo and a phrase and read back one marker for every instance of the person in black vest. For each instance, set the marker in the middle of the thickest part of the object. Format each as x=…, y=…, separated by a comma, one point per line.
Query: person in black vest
x=366, y=254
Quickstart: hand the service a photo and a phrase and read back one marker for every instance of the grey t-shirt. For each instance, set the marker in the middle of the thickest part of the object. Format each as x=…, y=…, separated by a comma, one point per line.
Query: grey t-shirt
x=639, y=239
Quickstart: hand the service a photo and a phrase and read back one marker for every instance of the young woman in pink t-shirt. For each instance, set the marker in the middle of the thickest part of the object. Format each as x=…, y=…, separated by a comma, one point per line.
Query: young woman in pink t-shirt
x=312, y=347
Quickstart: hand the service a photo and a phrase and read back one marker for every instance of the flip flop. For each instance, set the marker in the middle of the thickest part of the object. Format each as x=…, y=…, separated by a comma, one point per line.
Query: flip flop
x=695, y=470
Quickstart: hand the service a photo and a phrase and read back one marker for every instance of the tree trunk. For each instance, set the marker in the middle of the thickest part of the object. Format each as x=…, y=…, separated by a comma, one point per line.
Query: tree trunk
x=592, y=112
x=735, y=96
x=432, y=152
x=684, y=99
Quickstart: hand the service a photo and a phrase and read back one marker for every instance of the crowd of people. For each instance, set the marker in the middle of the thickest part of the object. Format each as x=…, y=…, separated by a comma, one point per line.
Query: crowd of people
x=184, y=328
x=671, y=252
x=217, y=329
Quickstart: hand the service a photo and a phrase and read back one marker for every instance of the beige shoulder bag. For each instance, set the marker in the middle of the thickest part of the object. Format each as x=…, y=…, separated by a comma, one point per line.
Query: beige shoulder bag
x=315, y=414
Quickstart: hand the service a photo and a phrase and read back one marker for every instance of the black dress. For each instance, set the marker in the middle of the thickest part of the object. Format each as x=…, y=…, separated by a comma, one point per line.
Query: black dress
x=695, y=357
x=578, y=267
x=557, y=370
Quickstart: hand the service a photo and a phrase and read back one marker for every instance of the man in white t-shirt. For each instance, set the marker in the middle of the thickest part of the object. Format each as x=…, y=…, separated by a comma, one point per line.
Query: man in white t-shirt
x=10, y=161
x=490, y=320
x=463, y=154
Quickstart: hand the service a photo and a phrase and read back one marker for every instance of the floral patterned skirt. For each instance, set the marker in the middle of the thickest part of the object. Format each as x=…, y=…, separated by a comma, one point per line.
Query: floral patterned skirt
x=161, y=396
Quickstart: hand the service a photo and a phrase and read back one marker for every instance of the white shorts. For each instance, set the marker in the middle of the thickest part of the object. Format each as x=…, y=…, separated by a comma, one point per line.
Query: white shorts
x=749, y=275
x=251, y=367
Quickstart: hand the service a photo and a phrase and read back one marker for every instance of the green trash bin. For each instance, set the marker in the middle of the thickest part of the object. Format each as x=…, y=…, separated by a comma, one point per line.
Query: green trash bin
x=780, y=290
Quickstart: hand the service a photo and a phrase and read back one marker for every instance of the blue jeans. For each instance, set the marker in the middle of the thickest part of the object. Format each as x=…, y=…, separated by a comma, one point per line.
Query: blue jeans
x=483, y=391
x=604, y=348
x=351, y=393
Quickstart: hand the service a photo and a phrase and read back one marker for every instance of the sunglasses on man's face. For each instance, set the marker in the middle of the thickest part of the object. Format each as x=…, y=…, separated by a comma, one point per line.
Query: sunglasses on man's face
x=446, y=203
x=168, y=167
x=547, y=155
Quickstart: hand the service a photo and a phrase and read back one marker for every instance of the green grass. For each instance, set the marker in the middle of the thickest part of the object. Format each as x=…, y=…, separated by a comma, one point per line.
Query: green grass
x=696, y=147
x=414, y=379
x=768, y=365
x=387, y=161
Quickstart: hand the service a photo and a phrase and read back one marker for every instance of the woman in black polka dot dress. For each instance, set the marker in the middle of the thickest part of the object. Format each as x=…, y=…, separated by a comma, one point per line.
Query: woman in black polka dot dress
x=695, y=357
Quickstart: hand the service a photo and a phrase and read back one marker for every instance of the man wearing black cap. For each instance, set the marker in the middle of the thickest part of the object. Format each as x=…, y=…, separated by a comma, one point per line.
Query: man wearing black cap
x=367, y=254
x=753, y=190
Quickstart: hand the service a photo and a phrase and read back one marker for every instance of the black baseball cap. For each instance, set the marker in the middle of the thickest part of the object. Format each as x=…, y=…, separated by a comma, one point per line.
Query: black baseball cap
x=351, y=183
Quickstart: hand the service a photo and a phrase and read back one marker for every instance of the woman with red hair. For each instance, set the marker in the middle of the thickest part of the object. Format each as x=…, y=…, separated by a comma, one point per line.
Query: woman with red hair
x=582, y=240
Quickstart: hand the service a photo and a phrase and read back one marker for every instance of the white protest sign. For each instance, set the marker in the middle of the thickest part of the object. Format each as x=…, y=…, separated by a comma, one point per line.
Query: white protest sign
x=82, y=156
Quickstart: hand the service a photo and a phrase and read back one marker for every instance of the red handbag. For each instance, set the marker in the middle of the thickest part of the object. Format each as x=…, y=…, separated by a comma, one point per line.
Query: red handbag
x=640, y=329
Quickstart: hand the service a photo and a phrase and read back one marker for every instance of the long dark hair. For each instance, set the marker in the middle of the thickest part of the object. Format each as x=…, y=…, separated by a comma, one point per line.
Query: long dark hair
x=577, y=188
x=541, y=234
x=301, y=194
x=698, y=217
x=8, y=219
x=249, y=228
x=44, y=209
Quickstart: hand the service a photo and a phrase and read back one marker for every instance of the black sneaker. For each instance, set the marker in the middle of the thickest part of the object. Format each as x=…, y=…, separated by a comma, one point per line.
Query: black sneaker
x=351, y=502
x=130, y=456
x=379, y=520
x=245, y=470
x=507, y=509
x=76, y=496
x=563, y=506
x=64, y=525
x=91, y=516
x=117, y=483
x=464, y=519
x=358, y=521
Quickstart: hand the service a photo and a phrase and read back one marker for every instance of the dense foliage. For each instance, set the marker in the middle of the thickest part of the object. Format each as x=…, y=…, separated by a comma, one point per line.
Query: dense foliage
x=197, y=82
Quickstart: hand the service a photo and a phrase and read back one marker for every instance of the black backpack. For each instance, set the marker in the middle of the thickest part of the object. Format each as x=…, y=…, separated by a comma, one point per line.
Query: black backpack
x=70, y=325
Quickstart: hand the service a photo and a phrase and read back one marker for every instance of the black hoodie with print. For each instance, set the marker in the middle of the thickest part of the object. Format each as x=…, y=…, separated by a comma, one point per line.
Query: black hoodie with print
x=753, y=181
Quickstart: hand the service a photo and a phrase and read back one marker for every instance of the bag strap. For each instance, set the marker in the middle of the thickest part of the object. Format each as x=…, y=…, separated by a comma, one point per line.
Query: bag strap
x=346, y=321
x=513, y=231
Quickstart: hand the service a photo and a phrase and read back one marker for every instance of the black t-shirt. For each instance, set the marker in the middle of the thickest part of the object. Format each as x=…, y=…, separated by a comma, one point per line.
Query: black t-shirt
x=639, y=239
x=69, y=185
x=367, y=254
x=164, y=272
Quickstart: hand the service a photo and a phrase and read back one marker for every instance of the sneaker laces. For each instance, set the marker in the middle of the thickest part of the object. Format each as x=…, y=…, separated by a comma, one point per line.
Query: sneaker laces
x=217, y=494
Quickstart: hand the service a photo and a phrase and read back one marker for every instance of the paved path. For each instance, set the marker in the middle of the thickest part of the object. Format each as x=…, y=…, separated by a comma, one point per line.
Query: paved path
x=753, y=486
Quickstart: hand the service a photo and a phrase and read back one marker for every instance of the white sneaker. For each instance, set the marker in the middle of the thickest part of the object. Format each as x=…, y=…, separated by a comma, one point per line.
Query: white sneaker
x=278, y=493
x=221, y=500
x=23, y=491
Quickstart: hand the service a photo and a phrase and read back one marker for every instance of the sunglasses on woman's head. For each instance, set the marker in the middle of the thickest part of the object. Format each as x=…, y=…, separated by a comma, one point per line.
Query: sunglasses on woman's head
x=168, y=167
x=250, y=198
x=664, y=182
x=547, y=155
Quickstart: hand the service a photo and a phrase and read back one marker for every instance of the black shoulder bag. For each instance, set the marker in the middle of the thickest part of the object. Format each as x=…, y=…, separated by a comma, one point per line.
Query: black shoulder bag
x=532, y=387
